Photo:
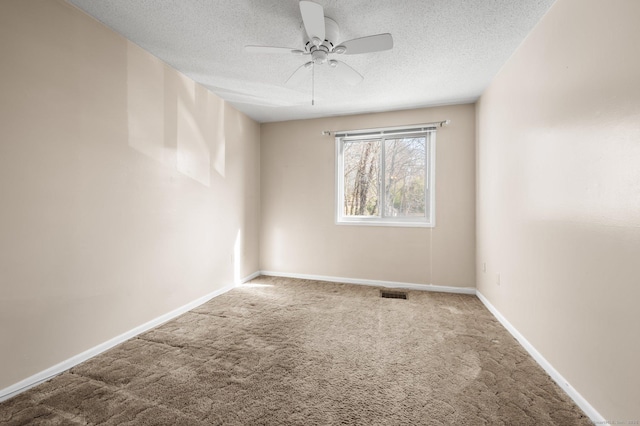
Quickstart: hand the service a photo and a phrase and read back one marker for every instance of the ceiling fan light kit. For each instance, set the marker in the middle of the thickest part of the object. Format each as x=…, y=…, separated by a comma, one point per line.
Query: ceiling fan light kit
x=320, y=38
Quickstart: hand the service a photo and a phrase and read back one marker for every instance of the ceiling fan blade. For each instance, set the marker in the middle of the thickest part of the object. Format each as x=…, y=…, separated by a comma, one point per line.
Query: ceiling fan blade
x=347, y=73
x=374, y=43
x=313, y=19
x=272, y=49
x=299, y=74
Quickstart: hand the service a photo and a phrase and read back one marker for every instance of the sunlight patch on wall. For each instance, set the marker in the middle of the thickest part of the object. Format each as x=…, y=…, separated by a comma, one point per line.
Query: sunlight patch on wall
x=589, y=174
x=199, y=146
x=193, y=151
x=218, y=109
x=145, y=104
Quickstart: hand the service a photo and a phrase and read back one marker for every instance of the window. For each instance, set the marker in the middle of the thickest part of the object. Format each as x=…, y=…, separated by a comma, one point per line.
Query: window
x=385, y=177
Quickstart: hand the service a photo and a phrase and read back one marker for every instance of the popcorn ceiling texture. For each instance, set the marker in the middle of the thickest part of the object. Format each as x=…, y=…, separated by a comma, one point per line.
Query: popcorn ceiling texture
x=444, y=51
x=286, y=351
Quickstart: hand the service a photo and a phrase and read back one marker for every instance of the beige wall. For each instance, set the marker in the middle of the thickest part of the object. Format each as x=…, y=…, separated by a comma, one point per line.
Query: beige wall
x=559, y=197
x=299, y=234
x=125, y=188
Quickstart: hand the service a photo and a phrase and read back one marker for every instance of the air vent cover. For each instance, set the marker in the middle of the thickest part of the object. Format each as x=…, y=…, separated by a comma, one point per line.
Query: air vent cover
x=393, y=294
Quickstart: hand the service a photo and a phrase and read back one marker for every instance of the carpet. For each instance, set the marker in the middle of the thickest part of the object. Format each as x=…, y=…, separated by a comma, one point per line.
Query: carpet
x=282, y=351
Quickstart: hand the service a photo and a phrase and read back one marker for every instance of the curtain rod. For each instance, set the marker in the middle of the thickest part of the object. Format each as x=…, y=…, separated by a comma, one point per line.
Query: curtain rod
x=380, y=130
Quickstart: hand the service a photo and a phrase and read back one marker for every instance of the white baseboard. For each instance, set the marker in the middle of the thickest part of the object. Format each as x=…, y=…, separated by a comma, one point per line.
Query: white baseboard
x=375, y=283
x=555, y=375
x=63, y=366
x=256, y=274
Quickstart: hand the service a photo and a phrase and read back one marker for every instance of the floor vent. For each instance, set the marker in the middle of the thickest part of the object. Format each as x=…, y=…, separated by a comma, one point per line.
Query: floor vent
x=392, y=294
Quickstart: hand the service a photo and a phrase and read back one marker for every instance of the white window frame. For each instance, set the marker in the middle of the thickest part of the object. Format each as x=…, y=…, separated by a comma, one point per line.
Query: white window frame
x=428, y=131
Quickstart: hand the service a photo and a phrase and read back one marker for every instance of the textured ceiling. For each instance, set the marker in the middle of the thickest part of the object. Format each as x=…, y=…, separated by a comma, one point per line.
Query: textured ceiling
x=445, y=51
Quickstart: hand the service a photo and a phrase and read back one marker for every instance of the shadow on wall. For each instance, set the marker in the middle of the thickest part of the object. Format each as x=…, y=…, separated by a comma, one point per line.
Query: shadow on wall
x=178, y=134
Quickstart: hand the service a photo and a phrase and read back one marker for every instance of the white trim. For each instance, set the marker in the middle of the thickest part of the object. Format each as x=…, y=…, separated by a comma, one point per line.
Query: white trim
x=428, y=221
x=374, y=222
x=256, y=274
x=375, y=283
x=63, y=366
x=431, y=161
x=555, y=375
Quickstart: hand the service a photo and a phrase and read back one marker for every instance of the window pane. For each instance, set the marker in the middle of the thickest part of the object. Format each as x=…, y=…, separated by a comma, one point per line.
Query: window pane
x=404, y=177
x=361, y=161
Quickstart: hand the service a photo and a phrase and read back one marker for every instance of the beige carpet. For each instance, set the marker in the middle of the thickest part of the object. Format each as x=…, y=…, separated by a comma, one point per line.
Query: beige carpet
x=284, y=351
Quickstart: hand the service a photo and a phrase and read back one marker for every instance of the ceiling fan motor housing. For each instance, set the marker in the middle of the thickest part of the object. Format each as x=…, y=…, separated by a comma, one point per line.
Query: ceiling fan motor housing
x=320, y=52
x=320, y=36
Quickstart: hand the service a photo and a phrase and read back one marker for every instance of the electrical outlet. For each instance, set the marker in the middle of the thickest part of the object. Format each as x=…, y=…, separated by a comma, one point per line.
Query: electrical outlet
x=484, y=266
x=498, y=279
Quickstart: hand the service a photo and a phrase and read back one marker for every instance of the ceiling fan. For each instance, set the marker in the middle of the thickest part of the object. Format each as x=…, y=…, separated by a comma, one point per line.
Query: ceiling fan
x=320, y=38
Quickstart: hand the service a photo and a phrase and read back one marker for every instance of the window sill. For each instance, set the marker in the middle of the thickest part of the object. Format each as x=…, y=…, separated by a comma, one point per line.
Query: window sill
x=402, y=224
